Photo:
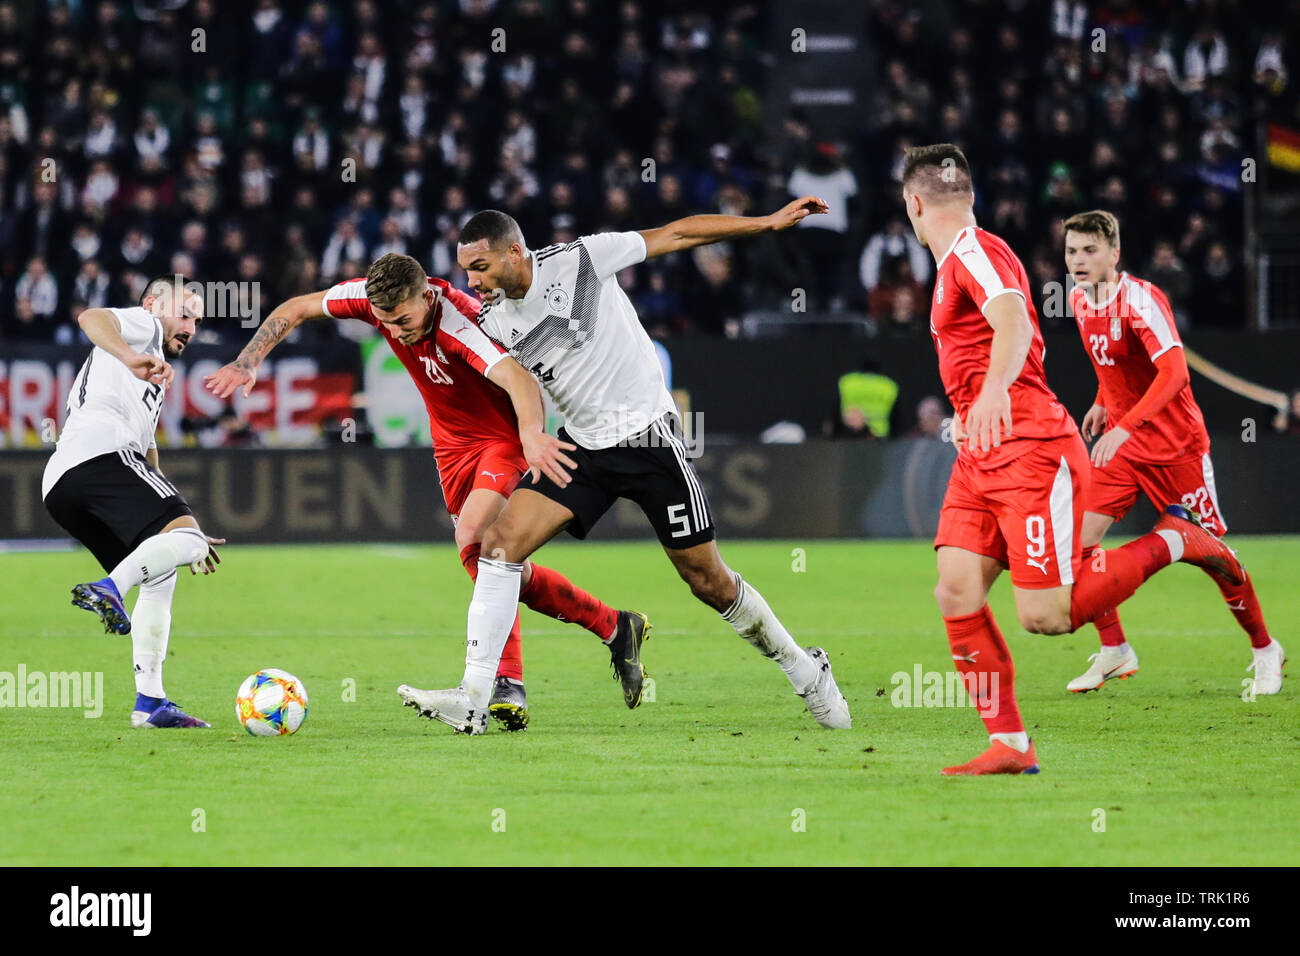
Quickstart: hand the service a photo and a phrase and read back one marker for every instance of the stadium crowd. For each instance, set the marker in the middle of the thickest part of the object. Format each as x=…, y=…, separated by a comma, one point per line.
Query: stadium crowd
x=292, y=142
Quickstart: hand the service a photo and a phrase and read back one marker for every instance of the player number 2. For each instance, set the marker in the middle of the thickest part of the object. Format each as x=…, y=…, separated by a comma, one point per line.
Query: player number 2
x=1036, y=533
x=678, y=518
x=1099, y=345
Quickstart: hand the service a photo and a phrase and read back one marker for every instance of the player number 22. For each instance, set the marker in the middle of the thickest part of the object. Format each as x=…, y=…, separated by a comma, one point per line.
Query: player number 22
x=1099, y=345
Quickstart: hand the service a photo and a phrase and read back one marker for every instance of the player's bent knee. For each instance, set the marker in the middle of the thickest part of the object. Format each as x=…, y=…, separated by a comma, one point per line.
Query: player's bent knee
x=1044, y=622
x=468, y=534
x=957, y=598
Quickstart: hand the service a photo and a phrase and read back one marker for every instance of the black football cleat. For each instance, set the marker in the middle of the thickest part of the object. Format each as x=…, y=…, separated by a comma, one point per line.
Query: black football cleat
x=509, y=704
x=625, y=654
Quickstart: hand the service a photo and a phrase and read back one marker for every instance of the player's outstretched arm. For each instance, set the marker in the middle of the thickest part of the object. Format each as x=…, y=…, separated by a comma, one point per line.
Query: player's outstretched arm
x=105, y=331
x=702, y=230
x=989, y=419
x=284, y=318
x=544, y=453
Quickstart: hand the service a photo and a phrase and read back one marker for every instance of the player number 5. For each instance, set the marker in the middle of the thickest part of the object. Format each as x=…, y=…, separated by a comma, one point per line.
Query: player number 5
x=678, y=518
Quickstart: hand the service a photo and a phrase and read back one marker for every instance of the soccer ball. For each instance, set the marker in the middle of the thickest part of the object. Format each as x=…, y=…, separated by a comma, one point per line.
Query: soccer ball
x=271, y=702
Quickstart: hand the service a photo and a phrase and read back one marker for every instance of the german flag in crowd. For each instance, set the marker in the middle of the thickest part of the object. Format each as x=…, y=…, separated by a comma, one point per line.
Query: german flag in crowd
x=1284, y=147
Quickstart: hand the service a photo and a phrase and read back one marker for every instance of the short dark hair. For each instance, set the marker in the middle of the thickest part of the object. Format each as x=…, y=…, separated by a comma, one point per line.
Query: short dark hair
x=939, y=171
x=1095, y=222
x=157, y=284
x=497, y=227
x=392, y=279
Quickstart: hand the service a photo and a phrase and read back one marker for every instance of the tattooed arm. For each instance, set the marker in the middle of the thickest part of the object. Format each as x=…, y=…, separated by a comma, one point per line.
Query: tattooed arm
x=242, y=372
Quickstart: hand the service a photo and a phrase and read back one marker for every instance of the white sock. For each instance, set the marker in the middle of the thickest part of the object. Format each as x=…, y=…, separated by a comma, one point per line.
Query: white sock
x=755, y=622
x=1018, y=741
x=1174, y=541
x=491, y=614
x=160, y=555
x=151, y=624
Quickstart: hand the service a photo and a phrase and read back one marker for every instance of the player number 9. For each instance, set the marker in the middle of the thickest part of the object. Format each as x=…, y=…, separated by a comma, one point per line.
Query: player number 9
x=1036, y=532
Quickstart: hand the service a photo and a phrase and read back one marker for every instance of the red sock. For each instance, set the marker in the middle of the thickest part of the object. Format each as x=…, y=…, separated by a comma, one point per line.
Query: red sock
x=1107, y=622
x=512, y=655
x=1245, y=608
x=1110, y=577
x=981, y=657
x=549, y=592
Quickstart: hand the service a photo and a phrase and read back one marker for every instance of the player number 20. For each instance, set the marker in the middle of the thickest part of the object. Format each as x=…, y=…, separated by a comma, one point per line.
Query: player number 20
x=1036, y=533
x=1099, y=345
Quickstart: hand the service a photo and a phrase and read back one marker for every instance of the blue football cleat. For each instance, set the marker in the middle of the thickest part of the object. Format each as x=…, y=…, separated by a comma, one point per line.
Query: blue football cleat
x=151, y=713
x=102, y=598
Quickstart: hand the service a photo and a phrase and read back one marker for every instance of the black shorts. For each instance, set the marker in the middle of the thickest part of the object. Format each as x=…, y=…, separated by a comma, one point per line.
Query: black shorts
x=650, y=468
x=113, y=502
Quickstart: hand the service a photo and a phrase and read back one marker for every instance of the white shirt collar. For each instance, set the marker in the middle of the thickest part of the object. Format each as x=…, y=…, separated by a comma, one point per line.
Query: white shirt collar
x=956, y=239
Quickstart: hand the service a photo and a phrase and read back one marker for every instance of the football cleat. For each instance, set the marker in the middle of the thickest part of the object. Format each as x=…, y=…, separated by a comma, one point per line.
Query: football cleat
x=1111, y=663
x=102, y=598
x=823, y=697
x=1201, y=547
x=509, y=704
x=166, y=715
x=625, y=654
x=1267, y=665
x=999, y=758
x=452, y=706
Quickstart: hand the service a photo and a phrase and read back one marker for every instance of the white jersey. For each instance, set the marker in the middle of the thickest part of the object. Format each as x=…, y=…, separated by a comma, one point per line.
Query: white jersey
x=109, y=409
x=578, y=333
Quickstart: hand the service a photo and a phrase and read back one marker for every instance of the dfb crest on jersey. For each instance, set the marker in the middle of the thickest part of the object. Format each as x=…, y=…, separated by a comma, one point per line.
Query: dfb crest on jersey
x=938, y=291
x=557, y=300
x=1116, y=328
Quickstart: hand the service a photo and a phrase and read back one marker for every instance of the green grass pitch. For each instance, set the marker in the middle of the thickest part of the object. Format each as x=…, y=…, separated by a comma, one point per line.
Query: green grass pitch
x=723, y=767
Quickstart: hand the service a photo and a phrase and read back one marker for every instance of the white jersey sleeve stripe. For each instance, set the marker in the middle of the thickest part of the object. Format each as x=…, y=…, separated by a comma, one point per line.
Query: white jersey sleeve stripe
x=1146, y=309
x=972, y=255
x=352, y=289
x=1061, y=505
x=468, y=333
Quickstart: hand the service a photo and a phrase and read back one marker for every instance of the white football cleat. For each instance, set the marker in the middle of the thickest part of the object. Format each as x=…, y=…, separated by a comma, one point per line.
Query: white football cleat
x=453, y=707
x=1110, y=663
x=1267, y=665
x=823, y=697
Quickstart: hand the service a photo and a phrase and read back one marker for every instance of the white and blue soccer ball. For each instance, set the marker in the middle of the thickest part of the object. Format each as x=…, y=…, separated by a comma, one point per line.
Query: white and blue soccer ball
x=271, y=703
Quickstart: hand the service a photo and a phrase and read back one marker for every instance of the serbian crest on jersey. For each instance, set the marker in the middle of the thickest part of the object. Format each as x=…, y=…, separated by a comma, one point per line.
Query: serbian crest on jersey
x=442, y=357
x=1116, y=328
x=938, y=291
x=557, y=300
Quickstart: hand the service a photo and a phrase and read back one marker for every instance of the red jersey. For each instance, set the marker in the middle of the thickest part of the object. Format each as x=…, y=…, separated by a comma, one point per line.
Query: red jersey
x=978, y=268
x=449, y=367
x=1124, y=336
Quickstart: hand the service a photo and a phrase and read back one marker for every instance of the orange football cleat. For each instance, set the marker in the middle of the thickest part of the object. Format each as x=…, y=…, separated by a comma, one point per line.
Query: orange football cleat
x=999, y=758
x=1201, y=547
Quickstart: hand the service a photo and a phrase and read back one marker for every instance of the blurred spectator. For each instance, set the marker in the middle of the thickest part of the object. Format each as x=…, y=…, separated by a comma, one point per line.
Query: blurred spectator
x=867, y=400
x=930, y=414
x=886, y=248
x=39, y=289
x=1167, y=271
x=820, y=240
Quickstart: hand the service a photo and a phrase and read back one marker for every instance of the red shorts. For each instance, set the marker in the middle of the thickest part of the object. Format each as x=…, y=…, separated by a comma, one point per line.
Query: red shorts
x=1027, y=513
x=496, y=466
x=1114, y=489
